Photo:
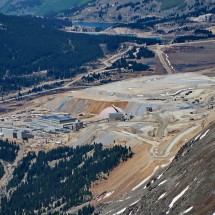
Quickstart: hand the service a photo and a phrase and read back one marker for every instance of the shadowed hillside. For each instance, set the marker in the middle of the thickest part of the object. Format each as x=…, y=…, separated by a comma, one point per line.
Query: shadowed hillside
x=186, y=186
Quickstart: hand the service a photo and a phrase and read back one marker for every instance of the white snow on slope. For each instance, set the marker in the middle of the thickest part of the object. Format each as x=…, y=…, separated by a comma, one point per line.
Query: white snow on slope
x=163, y=182
x=128, y=197
x=108, y=194
x=134, y=202
x=188, y=210
x=197, y=137
x=120, y=212
x=161, y=196
x=109, y=212
x=177, y=198
x=146, y=179
x=204, y=134
x=160, y=176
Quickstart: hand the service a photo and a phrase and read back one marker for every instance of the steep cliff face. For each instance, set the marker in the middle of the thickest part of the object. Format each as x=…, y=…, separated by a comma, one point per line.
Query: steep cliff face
x=187, y=185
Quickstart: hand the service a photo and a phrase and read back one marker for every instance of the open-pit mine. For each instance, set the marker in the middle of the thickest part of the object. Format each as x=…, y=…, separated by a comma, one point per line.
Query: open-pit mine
x=154, y=116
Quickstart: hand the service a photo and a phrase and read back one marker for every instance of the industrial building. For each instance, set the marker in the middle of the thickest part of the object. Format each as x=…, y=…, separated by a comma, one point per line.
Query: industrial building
x=58, y=124
x=114, y=113
x=15, y=133
x=116, y=116
x=57, y=121
x=76, y=126
x=109, y=110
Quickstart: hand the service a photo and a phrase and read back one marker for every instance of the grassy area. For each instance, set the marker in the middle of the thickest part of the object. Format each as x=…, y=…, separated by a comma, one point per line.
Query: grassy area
x=42, y=7
x=50, y=6
x=168, y=4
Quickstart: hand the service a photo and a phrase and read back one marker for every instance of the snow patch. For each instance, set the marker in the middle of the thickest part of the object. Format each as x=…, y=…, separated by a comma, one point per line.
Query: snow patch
x=177, y=184
x=120, y=212
x=109, y=212
x=161, y=196
x=204, y=134
x=128, y=198
x=197, y=137
x=108, y=194
x=188, y=210
x=177, y=198
x=160, y=176
x=134, y=202
x=163, y=182
x=146, y=179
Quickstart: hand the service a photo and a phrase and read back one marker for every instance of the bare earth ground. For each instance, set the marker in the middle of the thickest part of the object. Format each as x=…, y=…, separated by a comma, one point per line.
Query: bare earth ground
x=191, y=57
x=181, y=108
x=154, y=137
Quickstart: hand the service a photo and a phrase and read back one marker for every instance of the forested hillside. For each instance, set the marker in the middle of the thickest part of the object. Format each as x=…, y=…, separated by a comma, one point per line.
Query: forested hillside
x=60, y=179
x=29, y=45
x=8, y=151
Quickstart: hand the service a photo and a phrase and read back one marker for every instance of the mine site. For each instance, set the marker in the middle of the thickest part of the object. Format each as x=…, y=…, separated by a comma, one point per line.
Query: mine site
x=107, y=108
x=154, y=115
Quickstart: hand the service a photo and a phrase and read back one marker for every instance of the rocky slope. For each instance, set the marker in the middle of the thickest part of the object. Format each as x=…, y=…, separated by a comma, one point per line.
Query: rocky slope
x=187, y=185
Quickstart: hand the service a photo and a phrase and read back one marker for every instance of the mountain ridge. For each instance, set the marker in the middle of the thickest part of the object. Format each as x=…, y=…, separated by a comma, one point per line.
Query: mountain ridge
x=101, y=10
x=37, y=7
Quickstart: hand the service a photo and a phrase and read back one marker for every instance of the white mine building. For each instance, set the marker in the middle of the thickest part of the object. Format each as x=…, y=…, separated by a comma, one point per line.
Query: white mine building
x=15, y=133
x=54, y=123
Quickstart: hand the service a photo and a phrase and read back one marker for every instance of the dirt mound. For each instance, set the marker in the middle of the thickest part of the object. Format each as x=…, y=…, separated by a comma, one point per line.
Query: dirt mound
x=80, y=105
x=97, y=106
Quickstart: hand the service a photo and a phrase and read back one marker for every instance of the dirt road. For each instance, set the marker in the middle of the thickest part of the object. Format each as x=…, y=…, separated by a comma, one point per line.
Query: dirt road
x=163, y=57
